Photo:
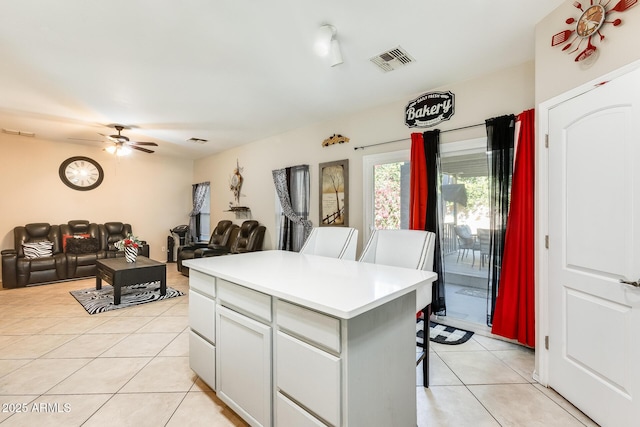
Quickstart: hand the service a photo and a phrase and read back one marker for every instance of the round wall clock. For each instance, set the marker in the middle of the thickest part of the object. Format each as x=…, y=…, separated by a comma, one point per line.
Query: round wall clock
x=81, y=173
x=590, y=21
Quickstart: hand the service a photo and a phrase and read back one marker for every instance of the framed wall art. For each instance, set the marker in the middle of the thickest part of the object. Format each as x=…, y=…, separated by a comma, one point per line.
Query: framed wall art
x=334, y=193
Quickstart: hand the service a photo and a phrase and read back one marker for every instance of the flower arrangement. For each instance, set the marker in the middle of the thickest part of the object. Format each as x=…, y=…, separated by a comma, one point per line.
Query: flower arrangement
x=130, y=241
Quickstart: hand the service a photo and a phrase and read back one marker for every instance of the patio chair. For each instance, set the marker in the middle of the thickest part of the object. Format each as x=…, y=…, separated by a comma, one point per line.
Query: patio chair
x=466, y=242
x=408, y=249
x=484, y=242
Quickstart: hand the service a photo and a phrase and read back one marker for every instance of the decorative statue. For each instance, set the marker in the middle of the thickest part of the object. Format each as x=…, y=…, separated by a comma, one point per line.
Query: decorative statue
x=235, y=182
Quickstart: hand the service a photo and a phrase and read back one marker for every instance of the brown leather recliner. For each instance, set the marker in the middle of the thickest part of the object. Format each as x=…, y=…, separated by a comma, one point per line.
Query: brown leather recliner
x=110, y=233
x=219, y=244
x=19, y=270
x=81, y=259
x=250, y=237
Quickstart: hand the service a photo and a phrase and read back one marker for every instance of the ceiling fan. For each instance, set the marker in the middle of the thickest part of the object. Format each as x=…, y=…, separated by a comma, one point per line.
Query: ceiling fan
x=122, y=145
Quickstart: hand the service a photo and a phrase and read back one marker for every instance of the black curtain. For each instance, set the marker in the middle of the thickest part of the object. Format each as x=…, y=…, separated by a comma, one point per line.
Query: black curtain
x=435, y=216
x=500, y=139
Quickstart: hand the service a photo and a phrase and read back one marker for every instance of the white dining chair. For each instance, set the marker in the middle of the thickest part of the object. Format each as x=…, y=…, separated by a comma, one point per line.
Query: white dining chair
x=408, y=249
x=334, y=242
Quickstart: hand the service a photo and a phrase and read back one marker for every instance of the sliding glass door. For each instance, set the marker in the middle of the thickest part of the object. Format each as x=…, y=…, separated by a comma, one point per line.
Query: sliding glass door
x=465, y=199
x=465, y=203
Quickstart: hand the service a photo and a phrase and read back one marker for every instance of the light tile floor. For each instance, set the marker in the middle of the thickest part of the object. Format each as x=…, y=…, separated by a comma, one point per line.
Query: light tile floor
x=59, y=366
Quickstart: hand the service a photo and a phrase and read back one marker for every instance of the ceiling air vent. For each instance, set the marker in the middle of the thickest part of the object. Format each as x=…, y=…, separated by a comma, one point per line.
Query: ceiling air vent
x=18, y=132
x=392, y=59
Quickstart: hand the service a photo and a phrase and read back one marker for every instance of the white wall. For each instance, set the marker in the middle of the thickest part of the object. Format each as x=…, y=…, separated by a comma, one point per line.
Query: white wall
x=505, y=92
x=151, y=192
x=557, y=72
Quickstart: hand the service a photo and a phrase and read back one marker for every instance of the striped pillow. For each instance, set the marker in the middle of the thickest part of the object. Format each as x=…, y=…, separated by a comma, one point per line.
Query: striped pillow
x=38, y=249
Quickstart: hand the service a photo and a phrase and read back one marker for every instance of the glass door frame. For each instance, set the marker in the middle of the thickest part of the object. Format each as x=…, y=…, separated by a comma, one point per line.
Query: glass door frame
x=368, y=162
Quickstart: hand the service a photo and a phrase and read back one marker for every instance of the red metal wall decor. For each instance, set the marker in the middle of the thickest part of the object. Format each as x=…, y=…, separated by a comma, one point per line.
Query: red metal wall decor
x=593, y=17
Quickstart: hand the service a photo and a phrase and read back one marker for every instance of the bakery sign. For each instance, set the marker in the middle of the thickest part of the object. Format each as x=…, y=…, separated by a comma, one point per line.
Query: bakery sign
x=429, y=109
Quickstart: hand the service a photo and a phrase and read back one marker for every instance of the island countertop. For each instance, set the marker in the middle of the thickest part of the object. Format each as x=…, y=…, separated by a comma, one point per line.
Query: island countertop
x=341, y=288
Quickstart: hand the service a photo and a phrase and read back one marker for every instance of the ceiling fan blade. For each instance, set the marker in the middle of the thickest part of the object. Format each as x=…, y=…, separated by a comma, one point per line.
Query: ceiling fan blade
x=109, y=137
x=143, y=143
x=141, y=149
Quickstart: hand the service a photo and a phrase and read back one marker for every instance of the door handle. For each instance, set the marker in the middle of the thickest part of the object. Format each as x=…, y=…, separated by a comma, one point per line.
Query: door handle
x=634, y=284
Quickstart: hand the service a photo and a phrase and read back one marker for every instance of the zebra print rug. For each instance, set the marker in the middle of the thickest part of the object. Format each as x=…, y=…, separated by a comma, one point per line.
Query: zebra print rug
x=99, y=301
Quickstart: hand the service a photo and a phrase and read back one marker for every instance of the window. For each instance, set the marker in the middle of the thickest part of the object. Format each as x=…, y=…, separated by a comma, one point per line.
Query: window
x=200, y=216
x=203, y=219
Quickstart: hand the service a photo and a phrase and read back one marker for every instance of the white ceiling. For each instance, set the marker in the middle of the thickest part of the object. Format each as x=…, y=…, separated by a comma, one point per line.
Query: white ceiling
x=236, y=71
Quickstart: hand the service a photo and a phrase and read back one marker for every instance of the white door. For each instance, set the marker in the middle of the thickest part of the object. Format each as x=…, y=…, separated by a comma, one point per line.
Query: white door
x=594, y=242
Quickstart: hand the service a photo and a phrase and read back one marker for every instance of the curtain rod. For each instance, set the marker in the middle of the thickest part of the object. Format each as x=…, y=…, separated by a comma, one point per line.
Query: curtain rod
x=362, y=147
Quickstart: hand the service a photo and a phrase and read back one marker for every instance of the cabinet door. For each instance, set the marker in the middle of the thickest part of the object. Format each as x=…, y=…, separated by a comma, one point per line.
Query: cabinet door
x=243, y=365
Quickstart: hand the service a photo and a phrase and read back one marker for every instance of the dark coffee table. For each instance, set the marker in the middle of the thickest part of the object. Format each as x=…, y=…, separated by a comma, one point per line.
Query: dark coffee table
x=118, y=273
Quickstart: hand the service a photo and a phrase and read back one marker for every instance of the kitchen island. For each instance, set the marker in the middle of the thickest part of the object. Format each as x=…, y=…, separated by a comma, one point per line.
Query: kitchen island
x=300, y=340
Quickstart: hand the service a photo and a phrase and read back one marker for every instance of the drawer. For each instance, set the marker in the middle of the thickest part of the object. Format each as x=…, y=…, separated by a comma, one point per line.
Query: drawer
x=202, y=283
x=104, y=275
x=244, y=300
x=202, y=359
x=309, y=325
x=309, y=376
x=288, y=414
x=202, y=315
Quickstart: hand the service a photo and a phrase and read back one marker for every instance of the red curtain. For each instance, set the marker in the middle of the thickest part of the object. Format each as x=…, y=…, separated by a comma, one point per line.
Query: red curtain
x=514, y=315
x=418, y=184
x=418, y=187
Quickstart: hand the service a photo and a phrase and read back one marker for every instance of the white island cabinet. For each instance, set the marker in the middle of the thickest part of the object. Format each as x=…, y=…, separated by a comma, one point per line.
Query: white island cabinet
x=300, y=340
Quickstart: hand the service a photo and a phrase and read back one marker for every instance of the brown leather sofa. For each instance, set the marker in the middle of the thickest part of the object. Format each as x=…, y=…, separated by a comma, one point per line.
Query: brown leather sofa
x=45, y=253
x=227, y=239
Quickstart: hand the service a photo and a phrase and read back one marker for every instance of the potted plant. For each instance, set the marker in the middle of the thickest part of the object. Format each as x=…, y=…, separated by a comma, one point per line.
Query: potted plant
x=130, y=246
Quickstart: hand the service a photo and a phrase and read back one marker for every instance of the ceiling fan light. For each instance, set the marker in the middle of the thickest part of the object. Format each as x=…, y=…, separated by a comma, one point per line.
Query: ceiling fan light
x=123, y=151
x=110, y=149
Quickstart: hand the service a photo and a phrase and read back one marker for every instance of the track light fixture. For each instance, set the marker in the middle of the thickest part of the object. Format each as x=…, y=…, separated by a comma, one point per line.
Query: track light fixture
x=327, y=44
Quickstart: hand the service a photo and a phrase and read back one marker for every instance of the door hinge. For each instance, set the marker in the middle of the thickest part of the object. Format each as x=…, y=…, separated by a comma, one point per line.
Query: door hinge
x=546, y=342
x=546, y=241
x=546, y=140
